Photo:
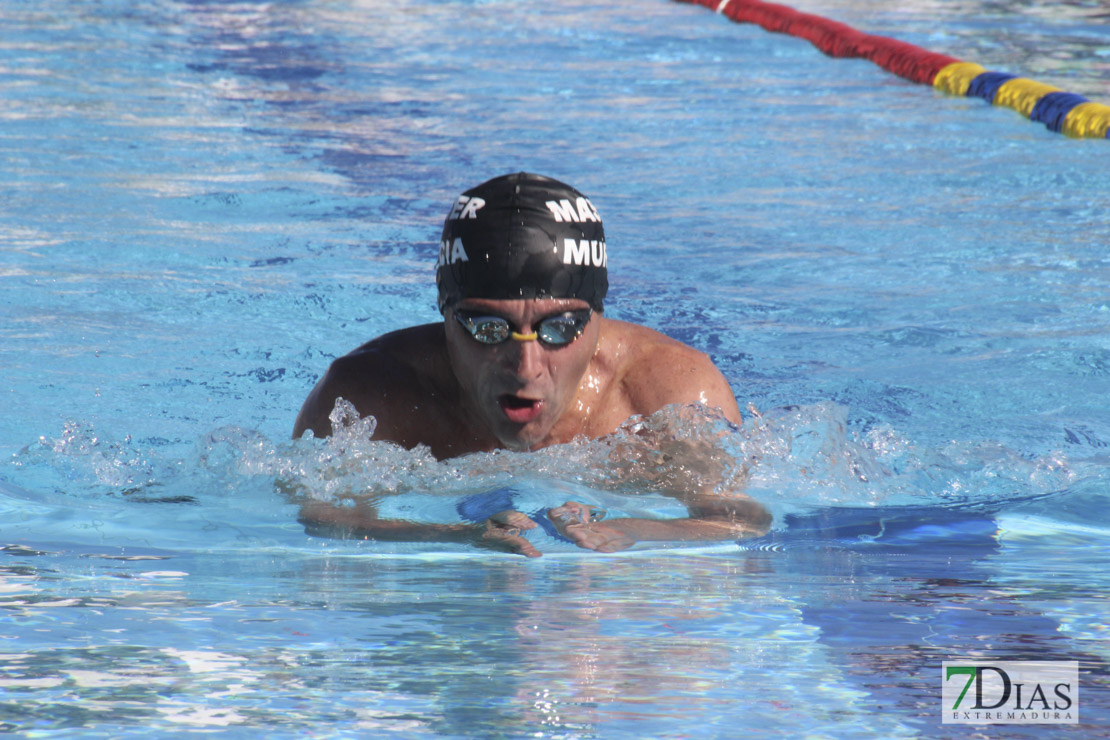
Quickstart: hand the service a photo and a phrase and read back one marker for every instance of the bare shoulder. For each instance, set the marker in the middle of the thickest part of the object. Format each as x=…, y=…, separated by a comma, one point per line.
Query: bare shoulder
x=388, y=377
x=655, y=370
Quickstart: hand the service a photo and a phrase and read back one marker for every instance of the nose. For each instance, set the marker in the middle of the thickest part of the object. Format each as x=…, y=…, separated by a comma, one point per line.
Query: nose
x=526, y=358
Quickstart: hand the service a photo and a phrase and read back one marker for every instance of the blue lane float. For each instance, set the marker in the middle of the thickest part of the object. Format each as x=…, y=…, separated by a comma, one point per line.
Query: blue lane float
x=986, y=85
x=1052, y=110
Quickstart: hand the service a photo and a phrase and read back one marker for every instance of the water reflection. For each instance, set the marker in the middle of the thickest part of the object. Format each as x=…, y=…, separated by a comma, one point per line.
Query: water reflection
x=214, y=151
x=487, y=645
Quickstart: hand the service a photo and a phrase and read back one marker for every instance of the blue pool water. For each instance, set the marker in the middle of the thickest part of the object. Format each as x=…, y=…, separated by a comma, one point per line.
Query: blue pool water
x=205, y=202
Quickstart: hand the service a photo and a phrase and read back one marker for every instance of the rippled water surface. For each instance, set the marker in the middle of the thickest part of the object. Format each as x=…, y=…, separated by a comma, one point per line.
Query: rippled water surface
x=203, y=203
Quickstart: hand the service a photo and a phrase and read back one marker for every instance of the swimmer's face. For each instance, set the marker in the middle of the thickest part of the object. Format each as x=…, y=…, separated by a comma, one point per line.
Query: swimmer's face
x=519, y=390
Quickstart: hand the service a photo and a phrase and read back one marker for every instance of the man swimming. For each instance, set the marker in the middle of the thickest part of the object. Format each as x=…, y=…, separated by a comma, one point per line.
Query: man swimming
x=524, y=359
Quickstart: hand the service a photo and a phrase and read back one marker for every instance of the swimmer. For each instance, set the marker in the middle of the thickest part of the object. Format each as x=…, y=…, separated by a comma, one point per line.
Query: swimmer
x=523, y=359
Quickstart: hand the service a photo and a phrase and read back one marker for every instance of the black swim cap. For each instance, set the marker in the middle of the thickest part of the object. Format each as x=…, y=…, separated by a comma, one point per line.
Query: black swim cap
x=522, y=236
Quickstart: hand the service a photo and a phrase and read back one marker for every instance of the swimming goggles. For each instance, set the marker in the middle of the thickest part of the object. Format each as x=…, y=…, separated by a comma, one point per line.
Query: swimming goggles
x=557, y=330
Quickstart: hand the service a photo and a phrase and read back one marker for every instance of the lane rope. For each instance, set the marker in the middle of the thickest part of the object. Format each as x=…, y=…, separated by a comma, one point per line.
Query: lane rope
x=1060, y=111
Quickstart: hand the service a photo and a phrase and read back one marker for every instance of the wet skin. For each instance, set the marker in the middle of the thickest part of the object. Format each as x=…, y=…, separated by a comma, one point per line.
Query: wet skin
x=521, y=390
x=437, y=386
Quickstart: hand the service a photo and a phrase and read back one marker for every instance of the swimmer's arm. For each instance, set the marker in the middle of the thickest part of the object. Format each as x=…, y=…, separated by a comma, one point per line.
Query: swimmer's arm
x=712, y=518
x=499, y=532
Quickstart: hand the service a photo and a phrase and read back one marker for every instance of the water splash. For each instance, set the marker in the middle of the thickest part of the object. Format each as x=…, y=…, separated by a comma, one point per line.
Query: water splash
x=85, y=463
x=792, y=459
x=807, y=457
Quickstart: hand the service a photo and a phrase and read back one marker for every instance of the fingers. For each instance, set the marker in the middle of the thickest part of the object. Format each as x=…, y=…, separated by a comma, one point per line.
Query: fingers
x=512, y=519
x=496, y=538
x=502, y=532
x=578, y=523
x=573, y=513
x=570, y=515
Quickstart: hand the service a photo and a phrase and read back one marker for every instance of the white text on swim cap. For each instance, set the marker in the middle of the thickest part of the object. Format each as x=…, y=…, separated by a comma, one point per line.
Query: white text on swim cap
x=450, y=252
x=577, y=212
x=465, y=207
x=589, y=252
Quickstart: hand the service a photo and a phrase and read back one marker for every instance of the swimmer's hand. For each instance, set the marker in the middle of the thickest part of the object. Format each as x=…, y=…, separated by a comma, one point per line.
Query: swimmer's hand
x=581, y=525
x=502, y=532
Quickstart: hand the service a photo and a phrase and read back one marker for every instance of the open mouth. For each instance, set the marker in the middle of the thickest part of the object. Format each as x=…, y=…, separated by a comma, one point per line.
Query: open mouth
x=520, y=410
